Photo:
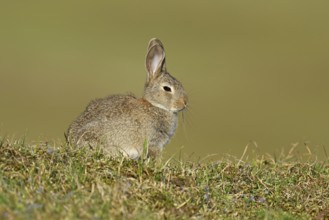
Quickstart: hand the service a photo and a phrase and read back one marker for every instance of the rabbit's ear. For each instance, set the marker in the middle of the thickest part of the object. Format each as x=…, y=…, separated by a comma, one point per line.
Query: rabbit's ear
x=155, y=59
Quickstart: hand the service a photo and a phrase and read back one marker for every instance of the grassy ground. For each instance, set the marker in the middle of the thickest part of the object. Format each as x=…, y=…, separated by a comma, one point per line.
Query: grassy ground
x=40, y=181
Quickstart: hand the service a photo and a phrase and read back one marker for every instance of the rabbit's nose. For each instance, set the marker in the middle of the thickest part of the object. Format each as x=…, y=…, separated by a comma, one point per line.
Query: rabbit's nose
x=185, y=100
x=185, y=103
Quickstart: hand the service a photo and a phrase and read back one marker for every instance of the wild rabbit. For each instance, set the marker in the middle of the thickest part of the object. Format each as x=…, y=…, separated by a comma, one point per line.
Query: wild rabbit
x=122, y=124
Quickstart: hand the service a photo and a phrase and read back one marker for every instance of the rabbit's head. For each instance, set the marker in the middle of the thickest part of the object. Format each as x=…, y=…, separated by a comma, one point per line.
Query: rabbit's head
x=161, y=89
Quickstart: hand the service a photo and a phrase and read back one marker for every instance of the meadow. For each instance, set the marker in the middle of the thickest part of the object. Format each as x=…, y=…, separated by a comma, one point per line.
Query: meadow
x=47, y=181
x=256, y=74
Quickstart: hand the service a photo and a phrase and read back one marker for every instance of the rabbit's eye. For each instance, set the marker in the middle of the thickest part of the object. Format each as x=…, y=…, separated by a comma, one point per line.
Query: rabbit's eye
x=167, y=88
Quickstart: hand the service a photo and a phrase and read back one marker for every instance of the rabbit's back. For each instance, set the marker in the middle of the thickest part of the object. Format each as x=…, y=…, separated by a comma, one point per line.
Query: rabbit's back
x=100, y=114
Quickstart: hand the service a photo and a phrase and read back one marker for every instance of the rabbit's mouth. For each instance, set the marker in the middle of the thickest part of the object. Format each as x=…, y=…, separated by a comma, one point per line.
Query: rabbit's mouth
x=179, y=109
x=180, y=104
x=175, y=107
x=176, y=110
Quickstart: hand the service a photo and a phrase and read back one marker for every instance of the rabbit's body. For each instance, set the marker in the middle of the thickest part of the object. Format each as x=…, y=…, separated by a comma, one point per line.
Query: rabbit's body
x=122, y=124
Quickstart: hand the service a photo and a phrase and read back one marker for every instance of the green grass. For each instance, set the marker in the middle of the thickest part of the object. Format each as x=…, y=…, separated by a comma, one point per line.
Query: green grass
x=43, y=181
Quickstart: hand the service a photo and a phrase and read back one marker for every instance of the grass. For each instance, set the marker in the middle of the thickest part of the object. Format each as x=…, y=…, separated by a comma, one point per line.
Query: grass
x=43, y=181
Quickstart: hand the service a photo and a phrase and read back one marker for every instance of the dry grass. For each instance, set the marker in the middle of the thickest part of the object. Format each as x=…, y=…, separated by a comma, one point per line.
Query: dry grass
x=40, y=181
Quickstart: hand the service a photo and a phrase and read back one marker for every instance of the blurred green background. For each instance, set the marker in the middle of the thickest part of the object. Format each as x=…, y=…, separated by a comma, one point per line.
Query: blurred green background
x=255, y=71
